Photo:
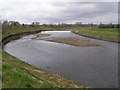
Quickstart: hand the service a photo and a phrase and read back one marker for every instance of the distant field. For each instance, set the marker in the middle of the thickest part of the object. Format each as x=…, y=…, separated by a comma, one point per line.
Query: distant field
x=108, y=34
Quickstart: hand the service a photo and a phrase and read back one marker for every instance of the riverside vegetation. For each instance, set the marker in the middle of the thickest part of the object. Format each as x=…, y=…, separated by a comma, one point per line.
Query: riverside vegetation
x=108, y=34
x=18, y=74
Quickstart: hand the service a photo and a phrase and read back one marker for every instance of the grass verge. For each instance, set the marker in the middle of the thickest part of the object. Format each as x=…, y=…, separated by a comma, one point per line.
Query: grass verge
x=108, y=34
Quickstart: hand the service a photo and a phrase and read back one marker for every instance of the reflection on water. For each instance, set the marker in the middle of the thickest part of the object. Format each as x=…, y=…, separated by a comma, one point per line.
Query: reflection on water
x=91, y=66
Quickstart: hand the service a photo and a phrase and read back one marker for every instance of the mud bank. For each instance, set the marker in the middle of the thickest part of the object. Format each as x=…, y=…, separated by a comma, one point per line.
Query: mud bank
x=75, y=42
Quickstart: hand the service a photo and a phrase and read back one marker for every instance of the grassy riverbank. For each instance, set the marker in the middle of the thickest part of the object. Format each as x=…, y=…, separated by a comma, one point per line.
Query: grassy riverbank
x=18, y=74
x=19, y=30
x=108, y=34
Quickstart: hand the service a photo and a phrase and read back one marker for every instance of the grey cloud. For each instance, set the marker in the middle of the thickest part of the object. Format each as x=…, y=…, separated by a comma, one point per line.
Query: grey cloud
x=60, y=4
x=57, y=12
x=100, y=9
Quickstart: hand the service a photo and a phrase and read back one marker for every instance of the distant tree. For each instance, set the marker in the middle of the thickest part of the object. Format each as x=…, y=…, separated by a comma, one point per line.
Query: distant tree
x=14, y=23
x=51, y=25
x=44, y=25
x=118, y=26
x=100, y=23
x=0, y=20
x=5, y=22
x=92, y=24
x=23, y=24
x=35, y=23
x=0, y=26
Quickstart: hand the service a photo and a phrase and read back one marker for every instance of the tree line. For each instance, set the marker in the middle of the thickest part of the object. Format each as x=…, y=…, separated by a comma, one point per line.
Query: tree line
x=109, y=25
x=6, y=25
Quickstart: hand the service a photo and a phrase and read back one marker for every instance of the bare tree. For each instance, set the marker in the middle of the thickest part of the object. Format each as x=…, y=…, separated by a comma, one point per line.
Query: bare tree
x=35, y=23
x=14, y=23
x=5, y=22
x=0, y=26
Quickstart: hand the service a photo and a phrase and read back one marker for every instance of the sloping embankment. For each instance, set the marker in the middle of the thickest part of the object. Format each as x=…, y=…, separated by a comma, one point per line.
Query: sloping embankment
x=95, y=36
x=16, y=36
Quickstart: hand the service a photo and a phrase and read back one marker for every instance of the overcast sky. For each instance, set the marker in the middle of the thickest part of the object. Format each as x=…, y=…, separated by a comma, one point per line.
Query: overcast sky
x=62, y=11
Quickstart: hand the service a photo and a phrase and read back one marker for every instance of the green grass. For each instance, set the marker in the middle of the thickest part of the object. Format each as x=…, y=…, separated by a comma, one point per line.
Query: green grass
x=15, y=76
x=109, y=34
x=19, y=30
x=18, y=74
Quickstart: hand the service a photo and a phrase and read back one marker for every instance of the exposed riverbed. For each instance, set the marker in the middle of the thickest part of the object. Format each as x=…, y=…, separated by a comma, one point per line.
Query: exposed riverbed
x=91, y=66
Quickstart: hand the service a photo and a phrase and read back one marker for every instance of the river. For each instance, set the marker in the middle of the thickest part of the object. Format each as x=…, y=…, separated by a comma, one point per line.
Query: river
x=96, y=67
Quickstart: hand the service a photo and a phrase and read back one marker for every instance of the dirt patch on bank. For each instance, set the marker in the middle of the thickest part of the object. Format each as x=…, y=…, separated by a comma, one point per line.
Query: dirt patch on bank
x=75, y=42
x=42, y=35
x=55, y=79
